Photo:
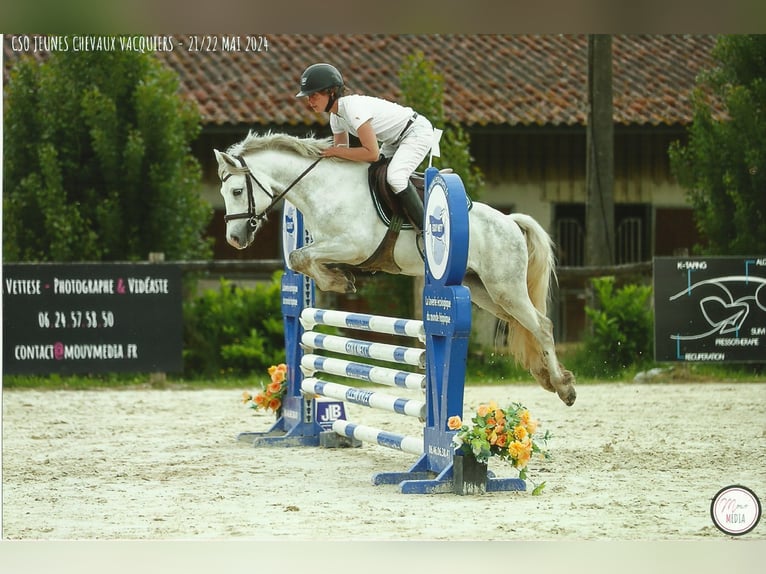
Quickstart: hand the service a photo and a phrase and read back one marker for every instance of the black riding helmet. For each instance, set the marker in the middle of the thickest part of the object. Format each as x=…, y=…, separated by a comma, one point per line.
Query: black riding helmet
x=318, y=77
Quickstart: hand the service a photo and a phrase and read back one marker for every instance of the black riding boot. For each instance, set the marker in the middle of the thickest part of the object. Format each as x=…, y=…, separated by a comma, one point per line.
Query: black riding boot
x=413, y=206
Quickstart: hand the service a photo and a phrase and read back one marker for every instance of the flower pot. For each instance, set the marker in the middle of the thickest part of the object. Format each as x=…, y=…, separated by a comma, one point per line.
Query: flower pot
x=469, y=475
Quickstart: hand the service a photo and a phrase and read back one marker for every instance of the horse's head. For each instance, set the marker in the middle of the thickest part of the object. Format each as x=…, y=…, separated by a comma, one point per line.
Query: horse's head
x=246, y=199
x=250, y=196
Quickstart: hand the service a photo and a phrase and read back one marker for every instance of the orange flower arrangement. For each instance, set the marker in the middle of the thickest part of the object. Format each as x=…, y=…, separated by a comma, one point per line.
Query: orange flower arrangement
x=504, y=433
x=270, y=397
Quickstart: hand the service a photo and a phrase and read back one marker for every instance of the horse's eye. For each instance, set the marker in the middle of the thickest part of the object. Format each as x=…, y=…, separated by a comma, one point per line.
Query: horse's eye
x=237, y=191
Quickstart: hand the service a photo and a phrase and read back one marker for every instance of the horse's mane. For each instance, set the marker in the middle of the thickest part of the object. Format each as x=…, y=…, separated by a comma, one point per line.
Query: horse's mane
x=307, y=147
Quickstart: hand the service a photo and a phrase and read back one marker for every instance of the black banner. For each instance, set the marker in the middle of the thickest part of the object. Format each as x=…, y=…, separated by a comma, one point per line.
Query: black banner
x=710, y=309
x=92, y=318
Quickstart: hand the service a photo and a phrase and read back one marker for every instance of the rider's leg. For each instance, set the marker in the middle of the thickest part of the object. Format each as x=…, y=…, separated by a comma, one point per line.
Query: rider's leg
x=412, y=204
x=411, y=151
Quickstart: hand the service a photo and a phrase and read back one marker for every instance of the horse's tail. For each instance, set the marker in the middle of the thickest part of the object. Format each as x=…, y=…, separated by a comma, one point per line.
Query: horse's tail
x=541, y=269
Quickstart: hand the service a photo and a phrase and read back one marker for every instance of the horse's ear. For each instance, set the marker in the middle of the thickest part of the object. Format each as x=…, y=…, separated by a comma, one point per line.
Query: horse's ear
x=224, y=159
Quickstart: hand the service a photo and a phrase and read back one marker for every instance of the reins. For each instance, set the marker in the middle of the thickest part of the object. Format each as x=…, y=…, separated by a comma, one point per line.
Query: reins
x=256, y=218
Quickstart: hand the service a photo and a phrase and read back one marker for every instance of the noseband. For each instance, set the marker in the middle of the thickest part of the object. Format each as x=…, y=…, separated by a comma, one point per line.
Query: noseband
x=255, y=219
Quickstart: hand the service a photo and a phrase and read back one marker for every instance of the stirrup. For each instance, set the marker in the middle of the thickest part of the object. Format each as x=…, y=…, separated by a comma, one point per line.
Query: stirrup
x=420, y=243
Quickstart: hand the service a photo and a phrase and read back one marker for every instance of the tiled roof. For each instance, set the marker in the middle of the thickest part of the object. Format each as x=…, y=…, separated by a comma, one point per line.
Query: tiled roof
x=518, y=80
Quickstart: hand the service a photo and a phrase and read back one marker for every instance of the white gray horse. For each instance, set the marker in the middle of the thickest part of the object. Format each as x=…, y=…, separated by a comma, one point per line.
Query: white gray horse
x=510, y=257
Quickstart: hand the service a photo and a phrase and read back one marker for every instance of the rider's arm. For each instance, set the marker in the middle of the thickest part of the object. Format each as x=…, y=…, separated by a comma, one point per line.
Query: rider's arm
x=368, y=150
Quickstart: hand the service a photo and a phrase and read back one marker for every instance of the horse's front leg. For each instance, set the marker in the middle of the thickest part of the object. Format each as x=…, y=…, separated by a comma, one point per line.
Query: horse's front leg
x=312, y=260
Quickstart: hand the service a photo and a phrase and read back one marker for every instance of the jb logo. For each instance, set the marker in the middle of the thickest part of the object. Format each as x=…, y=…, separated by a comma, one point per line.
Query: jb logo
x=332, y=412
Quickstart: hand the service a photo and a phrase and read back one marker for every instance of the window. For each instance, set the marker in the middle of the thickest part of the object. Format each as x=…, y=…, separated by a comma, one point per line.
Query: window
x=632, y=233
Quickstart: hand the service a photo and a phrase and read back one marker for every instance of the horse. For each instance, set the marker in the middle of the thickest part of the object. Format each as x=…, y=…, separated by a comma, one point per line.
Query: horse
x=510, y=257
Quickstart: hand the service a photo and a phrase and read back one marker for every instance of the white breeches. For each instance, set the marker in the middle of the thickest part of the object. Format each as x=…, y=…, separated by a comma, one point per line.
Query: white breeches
x=410, y=152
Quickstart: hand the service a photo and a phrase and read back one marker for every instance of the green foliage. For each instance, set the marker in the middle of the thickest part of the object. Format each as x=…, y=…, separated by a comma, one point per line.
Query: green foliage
x=234, y=330
x=493, y=368
x=423, y=90
x=622, y=329
x=98, y=164
x=390, y=295
x=723, y=166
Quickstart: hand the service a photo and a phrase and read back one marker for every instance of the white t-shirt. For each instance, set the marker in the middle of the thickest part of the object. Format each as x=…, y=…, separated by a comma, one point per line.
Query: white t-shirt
x=388, y=118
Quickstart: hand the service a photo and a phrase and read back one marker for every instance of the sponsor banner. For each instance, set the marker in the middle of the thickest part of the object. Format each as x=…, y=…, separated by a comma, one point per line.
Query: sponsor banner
x=91, y=318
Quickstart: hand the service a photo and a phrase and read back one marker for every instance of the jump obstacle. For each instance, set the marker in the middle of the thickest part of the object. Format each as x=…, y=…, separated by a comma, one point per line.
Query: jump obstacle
x=444, y=330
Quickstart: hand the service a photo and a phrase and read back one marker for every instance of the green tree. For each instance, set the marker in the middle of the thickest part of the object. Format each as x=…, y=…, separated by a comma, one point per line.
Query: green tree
x=423, y=90
x=723, y=165
x=98, y=164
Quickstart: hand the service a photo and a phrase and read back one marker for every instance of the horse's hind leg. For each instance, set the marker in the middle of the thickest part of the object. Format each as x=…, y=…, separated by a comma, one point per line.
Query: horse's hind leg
x=480, y=297
x=542, y=360
x=540, y=352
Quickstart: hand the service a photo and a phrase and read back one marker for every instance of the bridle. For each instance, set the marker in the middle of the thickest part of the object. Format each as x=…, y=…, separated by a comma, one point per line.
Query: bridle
x=255, y=219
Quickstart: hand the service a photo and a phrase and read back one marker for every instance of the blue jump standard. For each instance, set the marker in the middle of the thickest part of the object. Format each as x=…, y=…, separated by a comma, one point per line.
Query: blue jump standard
x=446, y=329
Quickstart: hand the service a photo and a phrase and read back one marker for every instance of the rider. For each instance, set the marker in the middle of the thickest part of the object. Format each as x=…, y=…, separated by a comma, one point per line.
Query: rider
x=405, y=135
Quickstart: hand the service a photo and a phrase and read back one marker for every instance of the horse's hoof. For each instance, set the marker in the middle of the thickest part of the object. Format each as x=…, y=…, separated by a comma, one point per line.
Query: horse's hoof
x=568, y=396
